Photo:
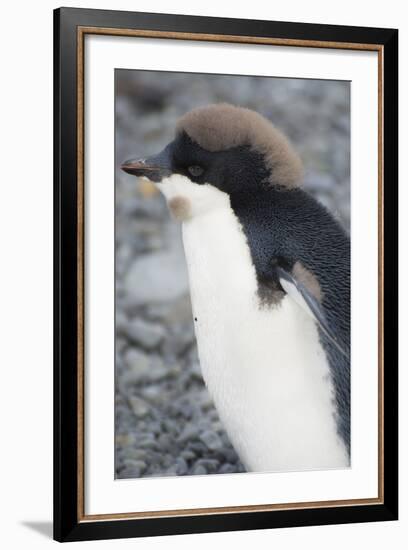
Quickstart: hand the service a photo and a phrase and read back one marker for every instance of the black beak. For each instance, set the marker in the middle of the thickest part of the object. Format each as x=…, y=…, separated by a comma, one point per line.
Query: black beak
x=154, y=168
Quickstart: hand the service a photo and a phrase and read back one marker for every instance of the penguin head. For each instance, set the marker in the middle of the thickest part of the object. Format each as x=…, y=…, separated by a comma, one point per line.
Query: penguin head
x=219, y=150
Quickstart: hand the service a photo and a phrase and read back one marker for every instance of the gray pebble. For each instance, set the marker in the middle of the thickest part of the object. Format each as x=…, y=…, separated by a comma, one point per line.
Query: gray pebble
x=227, y=468
x=139, y=407
x=157, y=370
x=210, y=464
x=198, y=375
x=135, y=464
x=125, y=439
x=217, y=426
x=137, y=366
x=155, y=427
x=145, y=282
x=212, y=440
x=204, y=398
x=154, y=459
x=186, y=410
x=188, y=454
x=229, y=454
x=121, y=323
x=175, y=312
x=148, y=444
x=180, y=339
x=181, y=466
x=148, y=335
x=198, y=470
x=190, y=433
x=174, y=371
x=135, y=454
x=152, y=393
x=197, y=447
x=130, y=473
x=165, y=442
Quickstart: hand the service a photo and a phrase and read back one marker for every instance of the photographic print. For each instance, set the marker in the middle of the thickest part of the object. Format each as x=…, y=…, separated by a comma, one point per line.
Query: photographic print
x=225, y=222
x=232, y=274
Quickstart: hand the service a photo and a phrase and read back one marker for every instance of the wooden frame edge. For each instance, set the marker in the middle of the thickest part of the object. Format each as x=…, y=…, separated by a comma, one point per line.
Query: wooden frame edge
x=231, y=509
x=380, y=274
x=80, y=276
x=229, y=38
x=81, y=32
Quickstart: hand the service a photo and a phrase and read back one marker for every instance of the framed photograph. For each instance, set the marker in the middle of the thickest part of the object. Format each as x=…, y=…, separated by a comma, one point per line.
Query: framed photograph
x=225, y=274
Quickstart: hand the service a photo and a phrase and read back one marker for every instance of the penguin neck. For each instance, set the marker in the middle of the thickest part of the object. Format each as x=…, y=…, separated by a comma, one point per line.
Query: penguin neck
x=264, y=367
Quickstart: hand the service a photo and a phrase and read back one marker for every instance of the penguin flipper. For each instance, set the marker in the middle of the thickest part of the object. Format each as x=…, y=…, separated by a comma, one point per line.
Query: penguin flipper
x=305, y=299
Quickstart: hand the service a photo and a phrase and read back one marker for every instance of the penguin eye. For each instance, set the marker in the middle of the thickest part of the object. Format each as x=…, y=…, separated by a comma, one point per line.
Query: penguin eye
x=195, y=170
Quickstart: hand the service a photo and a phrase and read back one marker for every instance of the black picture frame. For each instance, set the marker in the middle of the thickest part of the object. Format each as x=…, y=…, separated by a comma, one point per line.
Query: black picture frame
x=68, y=524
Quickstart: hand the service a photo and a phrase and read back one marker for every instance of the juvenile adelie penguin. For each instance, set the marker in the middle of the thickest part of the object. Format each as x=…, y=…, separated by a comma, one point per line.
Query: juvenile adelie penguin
x=269, y=273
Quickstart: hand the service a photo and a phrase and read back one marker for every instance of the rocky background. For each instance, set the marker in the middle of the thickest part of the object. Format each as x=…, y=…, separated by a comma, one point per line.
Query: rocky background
x=166, y=423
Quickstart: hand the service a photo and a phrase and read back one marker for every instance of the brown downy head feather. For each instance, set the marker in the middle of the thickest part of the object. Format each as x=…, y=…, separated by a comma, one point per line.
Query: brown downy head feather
x=222, y=126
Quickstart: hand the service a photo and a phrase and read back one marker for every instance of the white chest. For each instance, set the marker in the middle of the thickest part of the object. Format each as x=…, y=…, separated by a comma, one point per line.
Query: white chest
x=265, y=368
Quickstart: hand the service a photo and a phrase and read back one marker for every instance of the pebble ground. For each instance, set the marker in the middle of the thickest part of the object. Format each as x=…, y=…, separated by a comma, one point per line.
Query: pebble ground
x=165, y=421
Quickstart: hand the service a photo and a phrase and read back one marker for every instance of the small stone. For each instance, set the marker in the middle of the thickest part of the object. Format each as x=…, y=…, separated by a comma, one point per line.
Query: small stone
x=148, y=335
x=142, y=426
x=229, y=455
x=181, y=466
x=184, y=408
x=148, y=444
x=139, y=407
x=212, y=440
x=210, y=464
x=138, y=365
x=181, y=339
x=227, y=468
x=213, y=415
x=204, y=399
x=172, y=313
x=170, y=425
x=154, y=460
x=197, y=447
x=130, y=473
x=198, y=470
x=157, y=370
x=145, y=435
x=121, y=322
x=155, y=427
x=125, y=439
x=135, y=464
x=217, y=426
x=152, y=393
x=165, y=442
x=159, y=277
x=135, y=454
x=189, y=433
x=196, y=373
x=121, y=345
x=174, y=371
x=188, y=454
